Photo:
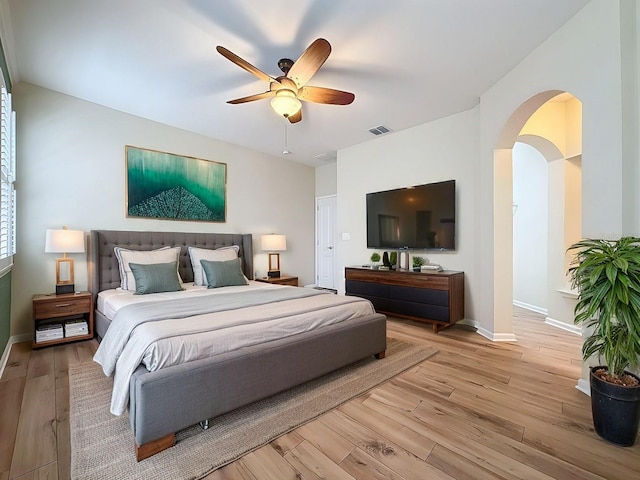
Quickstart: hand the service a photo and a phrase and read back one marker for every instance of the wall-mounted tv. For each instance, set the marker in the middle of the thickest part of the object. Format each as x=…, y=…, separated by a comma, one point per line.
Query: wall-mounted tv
x=419, y=217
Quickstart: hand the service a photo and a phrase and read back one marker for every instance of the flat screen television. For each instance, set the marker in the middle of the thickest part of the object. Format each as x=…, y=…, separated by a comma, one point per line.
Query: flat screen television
x=419, y=217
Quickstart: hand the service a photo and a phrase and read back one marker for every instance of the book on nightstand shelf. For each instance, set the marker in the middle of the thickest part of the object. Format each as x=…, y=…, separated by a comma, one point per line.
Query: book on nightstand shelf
x=76, y=327
x=49, y=331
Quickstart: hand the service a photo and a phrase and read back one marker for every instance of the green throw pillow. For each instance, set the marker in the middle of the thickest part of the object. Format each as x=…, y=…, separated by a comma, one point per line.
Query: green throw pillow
x=155, y=277
x=223, y=274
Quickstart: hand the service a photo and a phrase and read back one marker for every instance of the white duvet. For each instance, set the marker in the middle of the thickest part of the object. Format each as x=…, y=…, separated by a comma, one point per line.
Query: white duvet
x=160, y=330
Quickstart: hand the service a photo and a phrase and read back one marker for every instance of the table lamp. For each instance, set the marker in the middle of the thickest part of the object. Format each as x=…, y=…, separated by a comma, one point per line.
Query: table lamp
x=64, y=241
x=273, y=243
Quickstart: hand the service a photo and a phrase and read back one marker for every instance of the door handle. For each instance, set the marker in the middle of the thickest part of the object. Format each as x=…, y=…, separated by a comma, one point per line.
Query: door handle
x=330, y=248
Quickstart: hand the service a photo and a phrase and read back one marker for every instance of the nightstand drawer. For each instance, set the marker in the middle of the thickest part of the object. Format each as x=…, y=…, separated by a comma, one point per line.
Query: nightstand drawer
x=61, y=307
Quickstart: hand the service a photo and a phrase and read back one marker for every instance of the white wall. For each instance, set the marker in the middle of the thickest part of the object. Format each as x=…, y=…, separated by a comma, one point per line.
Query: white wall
x=326, y=179
x=530, y=232
x=71, y=171
x=441, y=150
x=565, y=228
x=583, y=58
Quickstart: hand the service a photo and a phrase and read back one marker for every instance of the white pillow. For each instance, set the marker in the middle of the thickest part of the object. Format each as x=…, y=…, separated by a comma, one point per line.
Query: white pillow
x=145, y=257
x=222, y=254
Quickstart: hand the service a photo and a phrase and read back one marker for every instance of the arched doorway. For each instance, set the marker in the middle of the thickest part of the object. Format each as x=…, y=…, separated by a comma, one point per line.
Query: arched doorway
x=551, y=122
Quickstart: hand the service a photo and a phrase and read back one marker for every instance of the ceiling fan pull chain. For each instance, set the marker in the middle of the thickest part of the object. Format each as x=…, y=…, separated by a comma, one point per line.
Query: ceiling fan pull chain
x=285, y=150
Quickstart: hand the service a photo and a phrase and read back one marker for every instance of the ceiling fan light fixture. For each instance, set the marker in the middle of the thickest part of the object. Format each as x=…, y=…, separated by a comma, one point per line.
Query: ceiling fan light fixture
x=286, y=103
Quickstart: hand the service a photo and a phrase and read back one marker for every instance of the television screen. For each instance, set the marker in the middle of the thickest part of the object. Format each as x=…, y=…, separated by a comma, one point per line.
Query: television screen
x=420, y=217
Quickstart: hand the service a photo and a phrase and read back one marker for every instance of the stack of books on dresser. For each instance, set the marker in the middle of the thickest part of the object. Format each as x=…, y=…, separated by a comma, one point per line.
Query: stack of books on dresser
x=76, y=327
x=49, y=331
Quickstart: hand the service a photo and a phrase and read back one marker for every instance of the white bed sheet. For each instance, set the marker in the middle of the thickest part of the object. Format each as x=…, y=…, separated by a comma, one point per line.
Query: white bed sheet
x=167, y=342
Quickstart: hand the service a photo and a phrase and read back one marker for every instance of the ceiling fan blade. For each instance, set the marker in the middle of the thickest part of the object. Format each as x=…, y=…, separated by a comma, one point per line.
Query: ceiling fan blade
x=244, y=64
x=309, y=62
x=326, y=95
x=251, y=98
x=296, y=117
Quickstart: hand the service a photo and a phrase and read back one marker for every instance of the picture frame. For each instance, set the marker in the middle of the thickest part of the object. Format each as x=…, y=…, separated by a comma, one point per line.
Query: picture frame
x=167, y=186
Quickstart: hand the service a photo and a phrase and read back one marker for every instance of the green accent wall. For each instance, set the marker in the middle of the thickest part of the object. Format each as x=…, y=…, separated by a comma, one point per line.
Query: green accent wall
x=5, y=311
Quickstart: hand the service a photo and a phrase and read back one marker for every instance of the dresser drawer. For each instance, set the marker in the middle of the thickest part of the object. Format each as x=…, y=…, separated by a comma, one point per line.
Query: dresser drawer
x=421, y=310
x=420, y=295
x=356, y=287
x=59, y=307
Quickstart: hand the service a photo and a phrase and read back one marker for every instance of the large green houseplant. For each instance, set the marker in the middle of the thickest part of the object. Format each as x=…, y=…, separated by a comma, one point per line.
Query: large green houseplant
x=606, y=274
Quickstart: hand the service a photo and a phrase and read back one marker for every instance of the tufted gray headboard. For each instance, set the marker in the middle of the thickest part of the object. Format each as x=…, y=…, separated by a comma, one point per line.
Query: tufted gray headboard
x=103, y=265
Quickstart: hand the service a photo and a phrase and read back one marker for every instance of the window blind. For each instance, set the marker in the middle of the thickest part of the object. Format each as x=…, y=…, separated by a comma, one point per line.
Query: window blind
x=7, y=177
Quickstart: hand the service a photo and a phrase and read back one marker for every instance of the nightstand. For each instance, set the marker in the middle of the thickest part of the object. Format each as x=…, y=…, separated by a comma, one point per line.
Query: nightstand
x=282, y=280
x=70, y=311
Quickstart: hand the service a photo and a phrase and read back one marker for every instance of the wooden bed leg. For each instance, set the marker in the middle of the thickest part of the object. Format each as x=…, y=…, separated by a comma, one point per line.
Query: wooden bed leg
x=148, y=449
x=380, y=355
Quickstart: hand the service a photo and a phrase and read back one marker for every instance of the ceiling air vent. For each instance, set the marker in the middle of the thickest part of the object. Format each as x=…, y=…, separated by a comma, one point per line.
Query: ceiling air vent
x=326, y=156
x=379, y=130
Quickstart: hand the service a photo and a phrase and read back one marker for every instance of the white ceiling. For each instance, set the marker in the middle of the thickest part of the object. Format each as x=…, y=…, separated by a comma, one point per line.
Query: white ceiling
x=407, y=61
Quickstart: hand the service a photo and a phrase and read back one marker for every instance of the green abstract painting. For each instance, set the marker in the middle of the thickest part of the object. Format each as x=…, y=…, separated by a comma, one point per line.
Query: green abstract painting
x=167, y=186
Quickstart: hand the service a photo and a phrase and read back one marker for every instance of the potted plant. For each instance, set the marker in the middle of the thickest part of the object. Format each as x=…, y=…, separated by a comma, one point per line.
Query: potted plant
x=606, y=274
x=393, y=259
x=417, y=263
x=375, y=258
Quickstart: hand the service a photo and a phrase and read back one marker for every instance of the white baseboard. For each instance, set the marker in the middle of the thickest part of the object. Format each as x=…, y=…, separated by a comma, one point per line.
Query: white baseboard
x=575, y=329
x=494, y=337
x=533, y=308
x=584, y=387
x=5, y=355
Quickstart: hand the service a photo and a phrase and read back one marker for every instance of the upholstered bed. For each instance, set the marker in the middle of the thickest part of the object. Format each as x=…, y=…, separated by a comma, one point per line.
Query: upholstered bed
x=169, y=399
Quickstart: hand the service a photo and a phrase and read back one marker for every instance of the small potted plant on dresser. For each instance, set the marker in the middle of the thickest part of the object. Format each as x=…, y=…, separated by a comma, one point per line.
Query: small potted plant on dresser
x=606, y=274
x=375, y=258
x=417, y=263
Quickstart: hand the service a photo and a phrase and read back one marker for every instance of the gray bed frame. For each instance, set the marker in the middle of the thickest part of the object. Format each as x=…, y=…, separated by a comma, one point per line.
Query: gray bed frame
x=168, y=400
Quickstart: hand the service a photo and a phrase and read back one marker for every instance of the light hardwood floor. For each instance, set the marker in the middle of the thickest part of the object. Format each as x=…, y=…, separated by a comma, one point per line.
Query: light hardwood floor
x=476, y=410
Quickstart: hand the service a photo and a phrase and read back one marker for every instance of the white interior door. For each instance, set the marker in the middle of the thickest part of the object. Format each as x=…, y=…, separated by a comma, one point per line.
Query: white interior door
x=325, y=241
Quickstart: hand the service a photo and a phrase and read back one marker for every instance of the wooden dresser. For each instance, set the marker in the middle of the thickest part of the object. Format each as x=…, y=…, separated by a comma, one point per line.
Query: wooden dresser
x=432, y=297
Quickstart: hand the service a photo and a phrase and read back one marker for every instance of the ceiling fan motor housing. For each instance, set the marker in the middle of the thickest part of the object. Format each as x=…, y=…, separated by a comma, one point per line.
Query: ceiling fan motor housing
x=285, y=65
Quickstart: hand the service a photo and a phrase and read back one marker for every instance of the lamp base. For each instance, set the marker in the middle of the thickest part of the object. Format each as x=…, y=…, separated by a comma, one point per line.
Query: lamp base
x=67, y=288
x=273, y=274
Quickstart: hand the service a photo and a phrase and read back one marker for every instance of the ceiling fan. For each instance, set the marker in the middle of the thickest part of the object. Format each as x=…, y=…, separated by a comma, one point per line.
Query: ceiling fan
x=288, y=89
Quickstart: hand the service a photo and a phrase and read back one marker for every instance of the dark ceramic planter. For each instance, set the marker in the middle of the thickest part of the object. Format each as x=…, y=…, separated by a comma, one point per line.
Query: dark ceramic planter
x=615, y=410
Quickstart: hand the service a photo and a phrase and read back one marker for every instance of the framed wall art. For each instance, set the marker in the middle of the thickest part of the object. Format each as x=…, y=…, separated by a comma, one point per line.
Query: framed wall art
x=174, y=187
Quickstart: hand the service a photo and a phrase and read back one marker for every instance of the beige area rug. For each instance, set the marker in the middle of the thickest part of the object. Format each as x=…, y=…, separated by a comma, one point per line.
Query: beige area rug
x=102, y=445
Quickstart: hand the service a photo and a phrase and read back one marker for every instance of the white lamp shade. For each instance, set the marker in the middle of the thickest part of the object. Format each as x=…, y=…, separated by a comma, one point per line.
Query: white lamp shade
x=273, y=243
x=64, y=241
x=286, y=103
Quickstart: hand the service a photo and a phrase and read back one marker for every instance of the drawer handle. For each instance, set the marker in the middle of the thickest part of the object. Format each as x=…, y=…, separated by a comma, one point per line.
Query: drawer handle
x=60, y=305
